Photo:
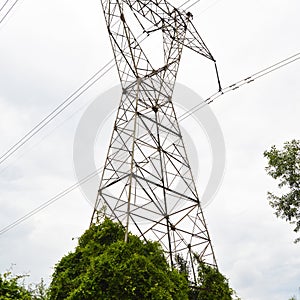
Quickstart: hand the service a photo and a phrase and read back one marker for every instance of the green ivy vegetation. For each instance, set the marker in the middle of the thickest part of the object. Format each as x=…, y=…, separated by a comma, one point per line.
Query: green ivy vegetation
x=103, y=266
x=211, y=285
x=12, y=288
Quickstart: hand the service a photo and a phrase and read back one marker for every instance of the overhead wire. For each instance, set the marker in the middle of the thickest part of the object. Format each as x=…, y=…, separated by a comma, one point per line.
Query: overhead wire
x=210, y=6
x=85, y=87
x=4, y=4
x=60, y=108
x=182, y=117
x=184, y=3
x=9, y=10
x=209, y=100
x=67, y=102
x=240, y=83
x=192, y=4
x=46, y=120
x=50, y=201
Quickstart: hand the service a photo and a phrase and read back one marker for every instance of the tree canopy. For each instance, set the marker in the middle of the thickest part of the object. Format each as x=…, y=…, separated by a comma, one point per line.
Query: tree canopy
x=284, y=166
x=103, y=266
x=212, y=285
x=11, y=288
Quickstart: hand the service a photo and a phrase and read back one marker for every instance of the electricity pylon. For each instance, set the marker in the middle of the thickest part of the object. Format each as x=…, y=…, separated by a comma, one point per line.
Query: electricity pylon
x=147, y=183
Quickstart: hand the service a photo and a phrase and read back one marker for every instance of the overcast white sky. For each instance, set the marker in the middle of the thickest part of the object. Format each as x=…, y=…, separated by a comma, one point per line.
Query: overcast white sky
x=49, y=48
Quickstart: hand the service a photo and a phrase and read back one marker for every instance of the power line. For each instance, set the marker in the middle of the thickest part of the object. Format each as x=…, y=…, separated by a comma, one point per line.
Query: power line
x=74, y=96
x=9, y=10
x=241, y=83
x=50, y=201
x=192, y=4
x=4, y=4
x=45, y=121
x=67, y=102
x=182, y=117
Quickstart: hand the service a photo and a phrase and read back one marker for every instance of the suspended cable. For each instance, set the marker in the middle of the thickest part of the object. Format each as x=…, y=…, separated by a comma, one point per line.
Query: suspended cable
x=50, y=201
x=182, y=117
x=83, y=88
x=210, y=6
x=6, y=14
x=72, y=98
x=242, y=82
x=192, y=4
x=183, y=4
x=60, y=108
x=2, y=7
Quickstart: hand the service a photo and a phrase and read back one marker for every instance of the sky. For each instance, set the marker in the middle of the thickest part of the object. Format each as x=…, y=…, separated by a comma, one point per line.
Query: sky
x=50, y=48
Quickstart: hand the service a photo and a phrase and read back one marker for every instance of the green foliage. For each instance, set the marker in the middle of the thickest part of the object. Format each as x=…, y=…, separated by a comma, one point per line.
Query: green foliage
x=38, y=291
x=284, y=165
x=211, y=285
x=11, y=288
x=103, y=266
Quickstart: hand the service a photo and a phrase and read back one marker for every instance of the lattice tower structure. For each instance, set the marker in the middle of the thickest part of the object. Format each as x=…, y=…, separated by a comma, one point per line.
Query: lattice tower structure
x=147, y=183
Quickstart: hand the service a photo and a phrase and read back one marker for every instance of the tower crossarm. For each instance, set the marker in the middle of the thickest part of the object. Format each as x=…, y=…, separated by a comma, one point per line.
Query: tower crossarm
x=165, y=16
x=131, y=61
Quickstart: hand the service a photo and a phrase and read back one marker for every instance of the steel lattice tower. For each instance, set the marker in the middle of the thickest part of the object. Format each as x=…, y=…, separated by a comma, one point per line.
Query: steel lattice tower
x=147, y=183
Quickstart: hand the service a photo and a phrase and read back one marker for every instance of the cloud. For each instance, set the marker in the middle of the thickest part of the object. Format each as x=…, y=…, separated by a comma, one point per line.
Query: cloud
x=49, y=49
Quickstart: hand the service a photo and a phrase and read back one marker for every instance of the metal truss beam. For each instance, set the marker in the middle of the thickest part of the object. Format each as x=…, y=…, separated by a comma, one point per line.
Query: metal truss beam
x=147, y=183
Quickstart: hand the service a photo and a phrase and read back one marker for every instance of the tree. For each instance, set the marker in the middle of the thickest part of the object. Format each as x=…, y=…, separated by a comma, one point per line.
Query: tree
x=11, y=288
x=211, y=285
x=284, y=165
x=38, y=291
x=103, y=266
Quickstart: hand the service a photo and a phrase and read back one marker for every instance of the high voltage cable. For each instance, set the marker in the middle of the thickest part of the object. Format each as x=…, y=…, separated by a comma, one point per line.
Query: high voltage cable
x=67, y=102
x=45, y=121
x=182, y=117
x=73, y=97
x=192, y=4
x=6, y=14
x=4, y=4
x=242, y=82
x=83, y=88
x=50, y=201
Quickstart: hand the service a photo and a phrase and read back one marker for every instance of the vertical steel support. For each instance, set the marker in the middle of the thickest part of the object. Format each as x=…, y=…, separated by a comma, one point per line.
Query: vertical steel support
x=147, y=183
